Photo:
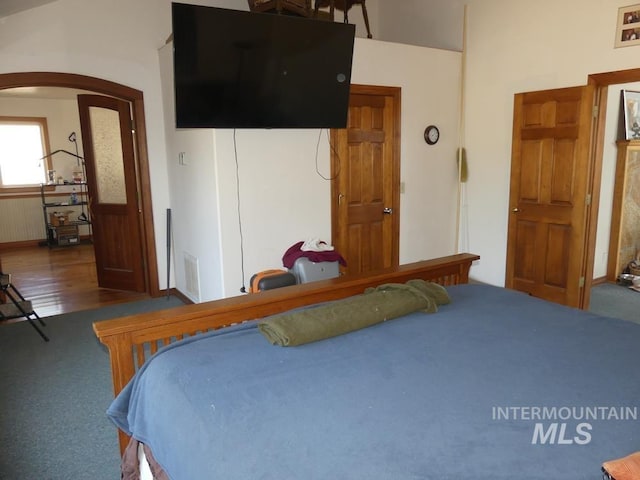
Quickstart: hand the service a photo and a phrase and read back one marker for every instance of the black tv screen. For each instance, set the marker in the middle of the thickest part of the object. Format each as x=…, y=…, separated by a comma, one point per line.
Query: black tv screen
x=238, y=69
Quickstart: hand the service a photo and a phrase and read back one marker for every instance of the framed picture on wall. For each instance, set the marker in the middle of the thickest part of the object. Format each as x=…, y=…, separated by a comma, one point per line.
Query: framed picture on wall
x=630, y=114
x=628, y=29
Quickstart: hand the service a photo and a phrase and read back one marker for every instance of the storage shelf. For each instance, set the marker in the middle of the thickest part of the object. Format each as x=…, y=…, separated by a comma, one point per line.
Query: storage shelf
x=70, y=223
x=52, y=237
x=66, y=184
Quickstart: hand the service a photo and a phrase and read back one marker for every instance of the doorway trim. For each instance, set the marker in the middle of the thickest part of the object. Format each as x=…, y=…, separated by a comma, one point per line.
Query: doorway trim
x=135, y=97
x=601, y=81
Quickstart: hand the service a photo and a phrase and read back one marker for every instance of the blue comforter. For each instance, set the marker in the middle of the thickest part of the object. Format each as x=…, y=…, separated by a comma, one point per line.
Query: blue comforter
x=496, y=385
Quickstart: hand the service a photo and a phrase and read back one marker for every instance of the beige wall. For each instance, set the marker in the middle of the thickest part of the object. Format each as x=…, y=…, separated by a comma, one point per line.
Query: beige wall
x=513, y=46
x=116, y=40
x=119, y=41
x=517, y=46
x=282, y=198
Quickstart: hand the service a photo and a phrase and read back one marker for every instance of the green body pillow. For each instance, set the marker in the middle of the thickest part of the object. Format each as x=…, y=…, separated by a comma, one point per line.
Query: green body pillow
x=353, y=313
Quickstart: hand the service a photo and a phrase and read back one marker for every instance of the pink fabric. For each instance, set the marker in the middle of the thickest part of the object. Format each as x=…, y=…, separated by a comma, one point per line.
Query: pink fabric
x=294, y=252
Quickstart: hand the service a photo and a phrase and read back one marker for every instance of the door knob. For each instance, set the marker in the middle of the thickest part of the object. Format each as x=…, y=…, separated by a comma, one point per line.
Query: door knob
x=387, y=211
x=516, y=210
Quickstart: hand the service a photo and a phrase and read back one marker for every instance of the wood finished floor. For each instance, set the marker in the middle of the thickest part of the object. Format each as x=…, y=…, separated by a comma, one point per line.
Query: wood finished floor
x=60, y=280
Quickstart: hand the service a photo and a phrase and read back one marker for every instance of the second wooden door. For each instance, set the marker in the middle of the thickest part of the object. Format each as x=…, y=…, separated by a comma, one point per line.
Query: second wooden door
x=549, y=197
x=366, y=180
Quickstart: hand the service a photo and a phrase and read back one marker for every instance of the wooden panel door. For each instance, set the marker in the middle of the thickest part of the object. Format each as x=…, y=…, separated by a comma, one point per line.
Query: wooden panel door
x=111, y=179
x=549, y=197
x=366, y=180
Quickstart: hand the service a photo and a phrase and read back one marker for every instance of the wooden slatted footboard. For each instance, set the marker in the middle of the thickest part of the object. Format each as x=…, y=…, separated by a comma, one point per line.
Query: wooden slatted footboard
x=130, y=340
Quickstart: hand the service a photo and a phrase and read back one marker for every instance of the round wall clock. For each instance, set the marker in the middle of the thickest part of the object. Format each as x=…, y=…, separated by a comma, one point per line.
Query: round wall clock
x=431, y=134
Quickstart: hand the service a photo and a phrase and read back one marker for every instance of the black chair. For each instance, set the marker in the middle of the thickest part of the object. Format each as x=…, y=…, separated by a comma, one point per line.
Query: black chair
x=301, y=8
x=18, y=306
x=345, y=6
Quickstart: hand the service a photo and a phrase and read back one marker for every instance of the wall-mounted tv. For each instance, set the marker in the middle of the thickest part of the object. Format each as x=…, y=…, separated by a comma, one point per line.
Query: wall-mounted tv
x=238, y=69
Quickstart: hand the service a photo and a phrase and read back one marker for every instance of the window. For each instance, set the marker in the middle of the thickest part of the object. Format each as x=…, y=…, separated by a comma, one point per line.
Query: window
x=23, y=143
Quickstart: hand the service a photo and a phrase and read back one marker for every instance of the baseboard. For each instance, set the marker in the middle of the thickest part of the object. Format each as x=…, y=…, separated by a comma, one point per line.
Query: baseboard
x=599, y=281
x=84, y=239
x=20, y=244
x=176, y=293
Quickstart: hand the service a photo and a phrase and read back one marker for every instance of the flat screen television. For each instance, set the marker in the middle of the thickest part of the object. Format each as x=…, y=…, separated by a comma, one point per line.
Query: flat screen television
x=239, y=69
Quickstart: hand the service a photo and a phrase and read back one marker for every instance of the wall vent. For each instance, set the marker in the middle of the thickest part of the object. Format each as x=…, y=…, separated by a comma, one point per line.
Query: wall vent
x=192, y=277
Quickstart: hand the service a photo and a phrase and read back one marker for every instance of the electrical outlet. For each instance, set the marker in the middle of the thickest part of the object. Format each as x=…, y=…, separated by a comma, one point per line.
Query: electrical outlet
x=182, y=159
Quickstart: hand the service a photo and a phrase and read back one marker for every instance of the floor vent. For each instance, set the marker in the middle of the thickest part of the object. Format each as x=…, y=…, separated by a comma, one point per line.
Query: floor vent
x=192, y=277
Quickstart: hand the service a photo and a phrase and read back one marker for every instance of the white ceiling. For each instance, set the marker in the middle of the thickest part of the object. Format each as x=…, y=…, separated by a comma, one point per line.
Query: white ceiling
x=9, y=7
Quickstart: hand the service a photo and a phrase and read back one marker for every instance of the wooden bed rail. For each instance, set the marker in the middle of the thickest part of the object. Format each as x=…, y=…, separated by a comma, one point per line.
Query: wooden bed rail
x=132, y=339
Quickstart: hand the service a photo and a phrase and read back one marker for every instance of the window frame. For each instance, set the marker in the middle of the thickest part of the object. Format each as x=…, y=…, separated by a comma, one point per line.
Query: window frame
x=44, y=135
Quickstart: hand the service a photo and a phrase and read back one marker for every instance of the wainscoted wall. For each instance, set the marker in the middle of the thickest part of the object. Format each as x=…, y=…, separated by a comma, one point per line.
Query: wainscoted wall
x=22, y=218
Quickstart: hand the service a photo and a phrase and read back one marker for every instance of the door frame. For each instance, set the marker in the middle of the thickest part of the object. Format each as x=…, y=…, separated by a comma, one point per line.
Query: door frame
x=135, y=98
x=396, y=94
x=601, y=81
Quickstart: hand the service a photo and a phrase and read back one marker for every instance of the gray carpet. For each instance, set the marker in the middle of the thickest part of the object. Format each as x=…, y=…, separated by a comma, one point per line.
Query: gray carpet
x=53, y=397
x=615, y=301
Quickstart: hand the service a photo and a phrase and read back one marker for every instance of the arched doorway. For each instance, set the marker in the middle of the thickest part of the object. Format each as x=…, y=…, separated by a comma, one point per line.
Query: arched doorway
x=135, y=98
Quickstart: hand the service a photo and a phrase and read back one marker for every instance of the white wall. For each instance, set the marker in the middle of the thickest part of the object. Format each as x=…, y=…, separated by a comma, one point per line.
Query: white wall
x=194, y=205
x=115, y=40
x=282, y=199
x=429, y=79
x=517, y=47
x=429, y=23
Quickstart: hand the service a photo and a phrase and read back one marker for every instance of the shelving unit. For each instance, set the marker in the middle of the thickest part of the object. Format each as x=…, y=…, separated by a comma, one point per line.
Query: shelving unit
x=64, y=229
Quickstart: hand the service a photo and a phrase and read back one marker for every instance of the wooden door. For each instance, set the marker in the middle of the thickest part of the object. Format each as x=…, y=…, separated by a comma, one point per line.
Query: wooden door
x=366, y=180
x=549, y=198
x=113, y=201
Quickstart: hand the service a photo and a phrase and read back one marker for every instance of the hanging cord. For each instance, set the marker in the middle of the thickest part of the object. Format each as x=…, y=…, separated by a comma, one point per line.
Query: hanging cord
x=333, y=150
x=80, y=162
x=72, y=139
x=243, y=289
x=461, y=154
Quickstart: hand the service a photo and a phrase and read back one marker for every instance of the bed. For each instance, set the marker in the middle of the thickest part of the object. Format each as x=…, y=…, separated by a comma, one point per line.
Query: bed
x=495, y=384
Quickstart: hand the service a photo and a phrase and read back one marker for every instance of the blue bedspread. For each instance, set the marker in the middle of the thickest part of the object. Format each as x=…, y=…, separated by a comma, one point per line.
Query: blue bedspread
x=470, y=392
